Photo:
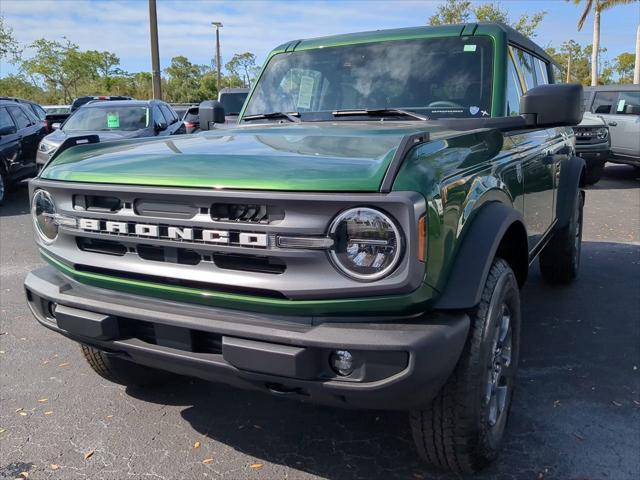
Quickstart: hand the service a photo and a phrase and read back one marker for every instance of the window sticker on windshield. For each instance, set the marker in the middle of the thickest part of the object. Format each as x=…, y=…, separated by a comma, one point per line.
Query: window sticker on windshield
x=470, y=48
x=620, y=106
x=113, y=120
x=306, y=91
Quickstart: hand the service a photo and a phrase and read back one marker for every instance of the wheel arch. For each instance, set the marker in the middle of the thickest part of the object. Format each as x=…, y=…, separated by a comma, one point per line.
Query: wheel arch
x=497, y=229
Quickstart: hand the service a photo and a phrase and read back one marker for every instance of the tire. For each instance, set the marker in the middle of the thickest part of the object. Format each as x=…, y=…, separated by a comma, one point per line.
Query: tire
x=595, y=168
x=122, y=371
x=560, y=258
x=463, y=427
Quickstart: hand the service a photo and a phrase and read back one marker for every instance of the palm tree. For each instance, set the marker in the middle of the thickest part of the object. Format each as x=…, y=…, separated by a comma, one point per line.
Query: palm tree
x=597, y=6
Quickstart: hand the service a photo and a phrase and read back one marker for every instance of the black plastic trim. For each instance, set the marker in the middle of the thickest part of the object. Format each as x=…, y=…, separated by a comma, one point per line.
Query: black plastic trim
x=406, y=144
x=474, y=257
x=571, y=179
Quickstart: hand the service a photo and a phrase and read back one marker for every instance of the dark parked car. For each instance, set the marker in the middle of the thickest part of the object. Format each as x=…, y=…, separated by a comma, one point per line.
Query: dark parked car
x=37, y=110
x=80, y=101
x=232, y=99
x=20, y=133
x=191, y=120
x=114, y=121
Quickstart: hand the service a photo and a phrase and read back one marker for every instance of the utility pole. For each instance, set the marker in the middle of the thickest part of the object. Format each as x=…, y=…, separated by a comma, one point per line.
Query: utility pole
x=217, y=25
x=155, y=56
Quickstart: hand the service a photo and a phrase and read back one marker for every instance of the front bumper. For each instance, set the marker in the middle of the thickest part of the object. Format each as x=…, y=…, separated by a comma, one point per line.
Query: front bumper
x=595, y=151
x=42, y=158
x=398, y=364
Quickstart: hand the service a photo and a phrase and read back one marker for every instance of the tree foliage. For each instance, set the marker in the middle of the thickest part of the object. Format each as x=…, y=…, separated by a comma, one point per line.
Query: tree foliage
x=451, y=11
x=580, y=62
x=623, y=65
x=461, y=11
x=9, y=47
x=243, y=66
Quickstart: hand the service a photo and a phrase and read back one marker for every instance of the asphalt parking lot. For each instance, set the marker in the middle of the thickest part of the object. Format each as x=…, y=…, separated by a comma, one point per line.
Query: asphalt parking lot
x=576, y=412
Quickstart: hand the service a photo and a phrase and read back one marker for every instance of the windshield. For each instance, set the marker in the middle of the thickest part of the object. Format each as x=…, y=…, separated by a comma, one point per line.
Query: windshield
x=108, y=118
x=232, y=102
x=438, y=77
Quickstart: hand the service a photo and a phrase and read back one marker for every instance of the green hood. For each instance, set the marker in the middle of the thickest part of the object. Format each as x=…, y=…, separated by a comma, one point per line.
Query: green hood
x=341, y=156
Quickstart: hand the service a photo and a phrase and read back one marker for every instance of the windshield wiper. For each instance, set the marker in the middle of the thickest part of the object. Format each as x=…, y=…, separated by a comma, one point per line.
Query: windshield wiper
x=291, y=116
x=379, y=112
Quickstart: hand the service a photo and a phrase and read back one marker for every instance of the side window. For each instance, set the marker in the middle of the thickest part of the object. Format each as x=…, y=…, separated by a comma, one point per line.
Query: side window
x=513, y=90
x=39, y=111
x=542, y=74
x=524, y=63
x=167, y=114
x=5, y=119
x=21, y=118
x=604, y=102
x=627, y=98
x=158, y=117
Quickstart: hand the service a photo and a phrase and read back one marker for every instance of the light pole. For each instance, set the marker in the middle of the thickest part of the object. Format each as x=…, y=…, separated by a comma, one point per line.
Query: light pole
x=217, y=25
x=155, y=56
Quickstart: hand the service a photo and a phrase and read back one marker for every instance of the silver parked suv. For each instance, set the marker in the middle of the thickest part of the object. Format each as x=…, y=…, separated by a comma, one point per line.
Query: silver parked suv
x=619, y=106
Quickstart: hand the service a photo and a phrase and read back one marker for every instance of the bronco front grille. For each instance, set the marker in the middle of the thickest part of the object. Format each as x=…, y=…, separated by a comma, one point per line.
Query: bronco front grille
x=217, y=240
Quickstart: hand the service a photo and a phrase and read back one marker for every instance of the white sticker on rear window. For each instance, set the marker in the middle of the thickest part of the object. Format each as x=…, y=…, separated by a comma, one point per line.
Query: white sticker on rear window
x=470, y=48
x=620, y=106
x=306, y=91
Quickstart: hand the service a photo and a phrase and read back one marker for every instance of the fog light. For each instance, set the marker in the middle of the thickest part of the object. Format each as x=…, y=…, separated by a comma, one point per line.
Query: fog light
x=342, y=362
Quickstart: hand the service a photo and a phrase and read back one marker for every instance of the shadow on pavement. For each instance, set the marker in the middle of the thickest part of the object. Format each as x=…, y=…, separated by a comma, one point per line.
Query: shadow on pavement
x=573, y=416
x=618, y=177
x=16, y=200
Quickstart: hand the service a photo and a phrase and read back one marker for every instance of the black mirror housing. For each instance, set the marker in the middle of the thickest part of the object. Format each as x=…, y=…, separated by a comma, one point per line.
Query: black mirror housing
x=211, y=112
x=160, y=126
x=553, y=105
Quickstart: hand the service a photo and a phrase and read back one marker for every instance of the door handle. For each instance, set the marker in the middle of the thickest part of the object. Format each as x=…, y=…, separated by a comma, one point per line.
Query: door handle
x=613, y=124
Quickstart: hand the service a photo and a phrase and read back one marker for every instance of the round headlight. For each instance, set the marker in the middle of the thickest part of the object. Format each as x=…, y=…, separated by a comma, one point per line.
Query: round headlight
x=367, y=244
x=602, y=133
x=44, y=211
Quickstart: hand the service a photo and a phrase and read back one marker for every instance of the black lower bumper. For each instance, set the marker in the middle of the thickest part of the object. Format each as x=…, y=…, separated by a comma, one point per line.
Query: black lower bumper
x=596, y=151
x=397, y=365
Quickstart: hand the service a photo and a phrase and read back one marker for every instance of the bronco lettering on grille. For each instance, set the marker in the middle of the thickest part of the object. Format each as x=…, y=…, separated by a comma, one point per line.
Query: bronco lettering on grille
x=224, y=237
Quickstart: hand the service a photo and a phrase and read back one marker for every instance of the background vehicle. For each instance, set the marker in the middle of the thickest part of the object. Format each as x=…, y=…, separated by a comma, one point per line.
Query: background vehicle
x=191, y=120
x=80, y=101
x=37, y=110
x=20, y=133
x=593, y=144
x=360, y=240
x=619, y=106
x=114, y=120
x=54, y=109
x=232, y=99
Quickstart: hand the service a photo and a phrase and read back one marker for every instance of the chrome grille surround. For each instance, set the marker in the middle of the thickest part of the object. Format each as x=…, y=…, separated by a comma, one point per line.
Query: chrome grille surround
x=307, y=273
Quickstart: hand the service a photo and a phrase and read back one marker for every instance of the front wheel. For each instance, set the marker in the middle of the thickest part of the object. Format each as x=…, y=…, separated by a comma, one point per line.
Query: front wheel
x=122, y=371
x=3, y=186
x=463, y=427
x=594, y=171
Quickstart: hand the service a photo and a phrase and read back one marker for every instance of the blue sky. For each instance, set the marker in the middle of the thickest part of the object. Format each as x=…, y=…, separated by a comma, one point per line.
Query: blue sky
x=121, y=26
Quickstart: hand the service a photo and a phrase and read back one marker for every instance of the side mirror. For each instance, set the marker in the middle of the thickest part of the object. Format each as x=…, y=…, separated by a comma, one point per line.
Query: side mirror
x=632, y=109
x=554, y=105
x=8, y=130
x=56, y=126
x=210, y=112
x=160, y=126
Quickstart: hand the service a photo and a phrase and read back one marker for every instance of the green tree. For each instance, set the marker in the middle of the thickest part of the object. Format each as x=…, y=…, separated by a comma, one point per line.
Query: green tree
x=20, y=86
x=9, y=47
x=243, y=65
x=451, y=11
x=596, y=7
x=623, y=65
x=575, y=63
x=184, y=80
x=461, y=11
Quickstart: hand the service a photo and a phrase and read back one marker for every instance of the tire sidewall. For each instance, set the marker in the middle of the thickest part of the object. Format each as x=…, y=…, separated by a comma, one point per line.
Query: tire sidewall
x=506, y=291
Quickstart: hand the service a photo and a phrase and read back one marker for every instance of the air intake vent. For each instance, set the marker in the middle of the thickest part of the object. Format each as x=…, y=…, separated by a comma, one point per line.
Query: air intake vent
x=247, y=213
x=96, y=203
x=152, y=208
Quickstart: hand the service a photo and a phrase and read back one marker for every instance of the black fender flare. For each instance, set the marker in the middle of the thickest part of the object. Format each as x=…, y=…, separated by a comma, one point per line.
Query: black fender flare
x=571, y=179
x=475, y=255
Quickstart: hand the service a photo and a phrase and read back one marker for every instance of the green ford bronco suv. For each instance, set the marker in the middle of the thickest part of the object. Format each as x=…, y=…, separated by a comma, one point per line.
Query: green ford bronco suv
x=358, y=240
